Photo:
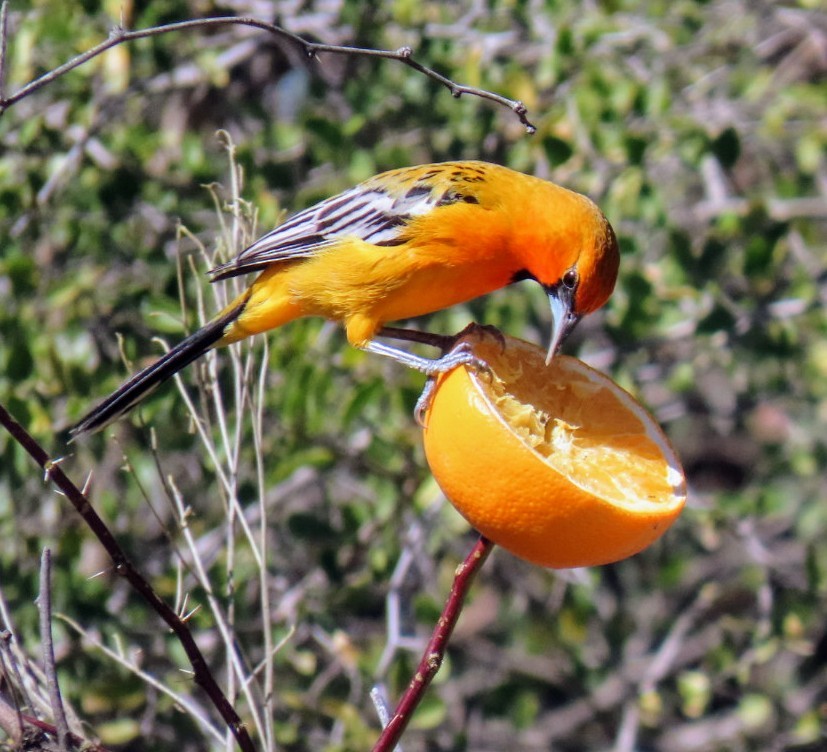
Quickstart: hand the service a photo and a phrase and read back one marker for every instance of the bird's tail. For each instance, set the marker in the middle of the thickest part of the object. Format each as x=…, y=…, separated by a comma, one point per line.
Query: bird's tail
x=141, y=384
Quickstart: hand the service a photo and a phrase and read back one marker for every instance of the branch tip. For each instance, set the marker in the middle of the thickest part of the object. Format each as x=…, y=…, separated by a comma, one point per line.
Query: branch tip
x=435, y=651
x=119, y=34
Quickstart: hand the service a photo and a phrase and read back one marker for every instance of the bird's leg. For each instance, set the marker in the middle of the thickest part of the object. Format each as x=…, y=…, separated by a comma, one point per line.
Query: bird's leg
x=460, y=355
x=443, y=341
x=454, y=353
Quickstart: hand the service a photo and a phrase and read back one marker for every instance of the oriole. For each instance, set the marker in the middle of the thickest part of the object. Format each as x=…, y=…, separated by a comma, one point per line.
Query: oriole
x=402, y=244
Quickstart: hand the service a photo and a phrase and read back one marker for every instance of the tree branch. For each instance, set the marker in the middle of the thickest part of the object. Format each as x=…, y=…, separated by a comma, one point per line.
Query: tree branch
x=4, y=15
x=435, y=651
x=124, y=567
x=311, y=50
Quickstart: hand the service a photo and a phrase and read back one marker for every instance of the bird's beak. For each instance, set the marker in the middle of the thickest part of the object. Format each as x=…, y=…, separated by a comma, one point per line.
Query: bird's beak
x=564, y=319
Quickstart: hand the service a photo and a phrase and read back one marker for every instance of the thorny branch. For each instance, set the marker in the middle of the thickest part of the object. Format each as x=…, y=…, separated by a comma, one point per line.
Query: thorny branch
x=124, y=567
x=311, y=50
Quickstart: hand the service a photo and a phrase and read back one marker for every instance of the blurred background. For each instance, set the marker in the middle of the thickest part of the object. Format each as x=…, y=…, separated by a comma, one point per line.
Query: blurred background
x=698, y=127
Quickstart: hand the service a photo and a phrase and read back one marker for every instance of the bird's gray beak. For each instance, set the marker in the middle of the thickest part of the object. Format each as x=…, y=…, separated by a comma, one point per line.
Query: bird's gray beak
x=563, y=317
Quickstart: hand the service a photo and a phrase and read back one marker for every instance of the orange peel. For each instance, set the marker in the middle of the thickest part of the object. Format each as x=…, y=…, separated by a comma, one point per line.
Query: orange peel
x=555, y=463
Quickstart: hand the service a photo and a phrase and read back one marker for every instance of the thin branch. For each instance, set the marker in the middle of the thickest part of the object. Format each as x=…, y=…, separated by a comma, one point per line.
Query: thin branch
x=393, y=608
x=310, y=50
x=14, y=664
x=51, y=730
x=185, y=703
x=124, y=567
x=379, y=698
x=661, y=664
x=223, y=620
x=435, y=651
x=44, y=607
x=4, y=17
x=10, y=723
x=405, y=55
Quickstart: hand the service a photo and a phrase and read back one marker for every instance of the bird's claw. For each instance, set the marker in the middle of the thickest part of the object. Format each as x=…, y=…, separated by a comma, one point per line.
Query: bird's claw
x=489, y=329
x=460, y=355
x=423, y=402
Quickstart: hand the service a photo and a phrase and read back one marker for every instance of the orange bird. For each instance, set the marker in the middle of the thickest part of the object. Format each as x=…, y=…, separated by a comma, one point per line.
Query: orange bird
x=402, y=244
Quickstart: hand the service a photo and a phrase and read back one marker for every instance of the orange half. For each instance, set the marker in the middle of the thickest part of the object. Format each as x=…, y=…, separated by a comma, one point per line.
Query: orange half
x=555, y=463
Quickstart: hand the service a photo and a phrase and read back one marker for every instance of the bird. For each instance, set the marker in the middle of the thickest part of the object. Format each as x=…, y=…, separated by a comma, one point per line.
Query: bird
x=400, y=245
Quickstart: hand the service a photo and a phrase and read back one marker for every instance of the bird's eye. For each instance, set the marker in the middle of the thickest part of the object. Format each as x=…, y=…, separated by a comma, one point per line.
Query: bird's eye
x=570, y=279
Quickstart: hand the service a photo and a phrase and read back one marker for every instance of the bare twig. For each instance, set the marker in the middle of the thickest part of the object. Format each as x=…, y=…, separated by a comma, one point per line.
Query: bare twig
x=223, y=620
x=4, y=8
x=659, y=667
x=124, y=567
x=311, y=50
x=379, y=698
x=25, y=681
x=393, y=607
x=11, y=721
x=44, y=604
x=51, y=730
x=225, y=446
x=187, y=704
x=15, y=676
x=435, y=650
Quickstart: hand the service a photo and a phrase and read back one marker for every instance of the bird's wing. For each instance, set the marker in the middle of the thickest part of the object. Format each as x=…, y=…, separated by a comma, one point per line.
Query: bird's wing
x=376, y=211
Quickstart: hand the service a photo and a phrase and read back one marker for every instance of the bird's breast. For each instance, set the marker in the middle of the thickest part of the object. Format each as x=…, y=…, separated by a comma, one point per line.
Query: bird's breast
x=388, y=284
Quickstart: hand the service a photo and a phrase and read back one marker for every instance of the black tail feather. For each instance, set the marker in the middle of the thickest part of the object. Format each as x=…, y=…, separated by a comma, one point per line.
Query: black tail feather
x=142, y=383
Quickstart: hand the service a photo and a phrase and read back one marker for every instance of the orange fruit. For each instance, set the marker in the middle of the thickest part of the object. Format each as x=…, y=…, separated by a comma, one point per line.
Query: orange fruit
x=555, y=463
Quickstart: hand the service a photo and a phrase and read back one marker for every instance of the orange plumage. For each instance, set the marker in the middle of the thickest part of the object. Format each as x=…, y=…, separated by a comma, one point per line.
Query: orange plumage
x=402, y=244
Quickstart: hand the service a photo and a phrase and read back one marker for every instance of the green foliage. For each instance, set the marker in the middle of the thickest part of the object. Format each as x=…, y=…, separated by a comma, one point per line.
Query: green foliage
x=698, y=127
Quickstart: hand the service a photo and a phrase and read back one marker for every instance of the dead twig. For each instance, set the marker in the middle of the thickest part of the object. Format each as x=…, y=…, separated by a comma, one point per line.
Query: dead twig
x=202, y=675
x=4, y=14
x=44, y=604
x=311, y=50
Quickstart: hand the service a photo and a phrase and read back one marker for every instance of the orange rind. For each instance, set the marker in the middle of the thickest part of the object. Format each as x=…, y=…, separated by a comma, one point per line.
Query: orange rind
x=555, y=463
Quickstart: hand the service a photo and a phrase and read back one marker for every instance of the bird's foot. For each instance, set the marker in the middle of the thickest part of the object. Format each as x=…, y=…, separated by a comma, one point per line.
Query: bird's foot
x=457, y=351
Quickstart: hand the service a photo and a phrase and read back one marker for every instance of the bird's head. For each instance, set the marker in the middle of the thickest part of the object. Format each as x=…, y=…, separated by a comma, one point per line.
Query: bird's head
x=575, y=257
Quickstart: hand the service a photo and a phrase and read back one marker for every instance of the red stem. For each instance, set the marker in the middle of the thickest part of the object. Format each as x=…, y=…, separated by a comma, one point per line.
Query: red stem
x=435, y=651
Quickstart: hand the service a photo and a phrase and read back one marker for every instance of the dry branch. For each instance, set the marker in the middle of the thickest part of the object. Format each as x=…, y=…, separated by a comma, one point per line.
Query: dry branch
x=311, y=50
x=124, y=567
